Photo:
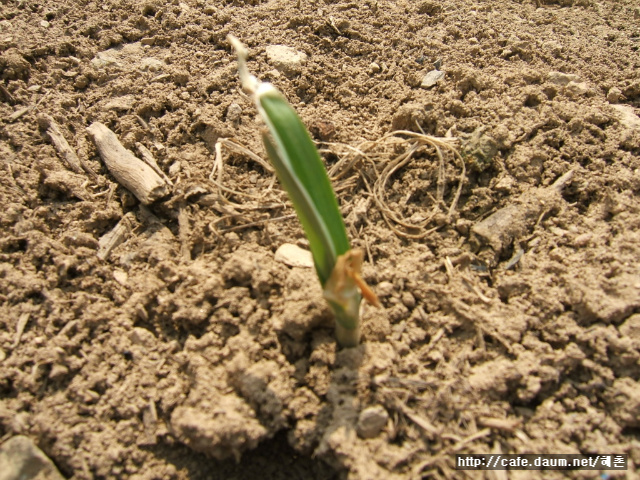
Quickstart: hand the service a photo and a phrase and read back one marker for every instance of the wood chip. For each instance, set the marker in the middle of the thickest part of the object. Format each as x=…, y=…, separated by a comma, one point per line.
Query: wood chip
x=21, y=325
x=115, y=237
x=131, y=172
x=506, y=424
x=150, y=160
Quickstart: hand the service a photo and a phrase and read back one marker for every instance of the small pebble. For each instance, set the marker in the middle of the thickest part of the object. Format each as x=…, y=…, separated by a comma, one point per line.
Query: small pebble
x=374, y=68
x=19, y=423
x=613, y=95
x=582, y=240
x=81, y=81
x=44, y=24
x=232, y=239
x=384, y=289
x=463, y=226
x=627, y=117
x=89, y=396
x=174, y=169
x=560, y=78
x=560, y=232
x=577, y=89
x=21, y=458
x=151, y=64
x=533, y=242
x=557, y=255
x=505, y=184
x=371, y=421
x=431, y=78
x=142, y=336
x=408, y=300
x=234, y=112
x=120, y=276
x=286, y=59
x=58, y=371
x=294, y=256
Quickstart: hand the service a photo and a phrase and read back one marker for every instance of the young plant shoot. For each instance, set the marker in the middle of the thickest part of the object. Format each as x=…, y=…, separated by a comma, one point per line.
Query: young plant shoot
x=301, y=172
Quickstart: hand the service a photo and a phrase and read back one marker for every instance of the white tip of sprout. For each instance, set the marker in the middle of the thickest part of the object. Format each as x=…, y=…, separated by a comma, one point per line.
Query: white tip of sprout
x=249, y=82
x=264, y=88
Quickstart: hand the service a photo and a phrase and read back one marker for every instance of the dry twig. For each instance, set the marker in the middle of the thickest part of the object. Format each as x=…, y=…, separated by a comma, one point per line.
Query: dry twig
x=21, y=325
x=218, y=169
x=376, y=153
x=116, y=236
x=150, y=160
x=69, y=155
x=184, y=232
x=134, y=174
x=447, y=452
x=359, y=162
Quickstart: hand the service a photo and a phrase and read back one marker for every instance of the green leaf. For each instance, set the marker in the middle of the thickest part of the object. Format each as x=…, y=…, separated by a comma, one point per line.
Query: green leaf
x=302, y=173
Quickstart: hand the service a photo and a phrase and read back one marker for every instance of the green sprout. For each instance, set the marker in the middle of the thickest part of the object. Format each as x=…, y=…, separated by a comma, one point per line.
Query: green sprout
x=300, y=170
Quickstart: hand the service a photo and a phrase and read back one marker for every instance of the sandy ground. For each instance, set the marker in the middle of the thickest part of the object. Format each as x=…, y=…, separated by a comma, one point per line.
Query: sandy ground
x=509, y=275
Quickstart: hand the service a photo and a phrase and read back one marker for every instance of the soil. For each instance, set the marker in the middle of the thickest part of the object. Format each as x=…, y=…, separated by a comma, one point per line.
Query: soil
x=511, y=307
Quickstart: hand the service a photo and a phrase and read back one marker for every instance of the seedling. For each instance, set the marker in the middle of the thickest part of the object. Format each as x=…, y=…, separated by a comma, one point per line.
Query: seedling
x=300, y=170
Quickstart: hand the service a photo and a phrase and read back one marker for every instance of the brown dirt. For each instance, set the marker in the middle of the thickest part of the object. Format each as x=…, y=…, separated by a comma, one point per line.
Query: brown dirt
x=190, y=348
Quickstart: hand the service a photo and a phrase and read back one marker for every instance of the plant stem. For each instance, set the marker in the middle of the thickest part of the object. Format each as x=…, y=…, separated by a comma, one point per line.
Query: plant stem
x=347, y=337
